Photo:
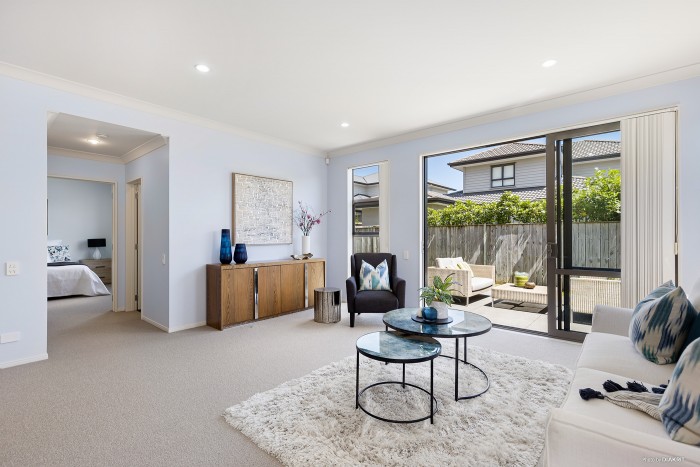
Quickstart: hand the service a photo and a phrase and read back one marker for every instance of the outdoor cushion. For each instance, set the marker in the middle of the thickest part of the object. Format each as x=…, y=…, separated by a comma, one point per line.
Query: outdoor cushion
x=449, y=263
x=480, y=283
x=680, y=404
x=375, y=301
x=464, y=266
x=660, y=326
x=372, y=278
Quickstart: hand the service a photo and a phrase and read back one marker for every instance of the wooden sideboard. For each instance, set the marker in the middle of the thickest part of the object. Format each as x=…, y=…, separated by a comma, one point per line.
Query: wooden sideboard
x=280, y=287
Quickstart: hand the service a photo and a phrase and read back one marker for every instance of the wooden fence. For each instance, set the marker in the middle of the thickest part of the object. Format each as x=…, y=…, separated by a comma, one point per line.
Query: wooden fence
x=523, y=247
x=365, y=243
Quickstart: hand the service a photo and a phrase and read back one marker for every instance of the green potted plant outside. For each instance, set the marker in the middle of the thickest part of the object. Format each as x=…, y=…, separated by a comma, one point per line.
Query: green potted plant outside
x=438, y=296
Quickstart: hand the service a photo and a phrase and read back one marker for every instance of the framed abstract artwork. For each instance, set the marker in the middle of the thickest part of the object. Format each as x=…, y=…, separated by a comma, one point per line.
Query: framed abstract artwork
x=262, y=210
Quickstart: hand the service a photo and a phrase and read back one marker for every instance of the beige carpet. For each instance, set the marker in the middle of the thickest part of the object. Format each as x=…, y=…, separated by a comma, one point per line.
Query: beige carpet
x=117, y=391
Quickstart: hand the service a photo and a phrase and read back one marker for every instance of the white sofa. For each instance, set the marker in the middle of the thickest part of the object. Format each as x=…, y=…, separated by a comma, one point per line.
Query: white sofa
x=597, y=432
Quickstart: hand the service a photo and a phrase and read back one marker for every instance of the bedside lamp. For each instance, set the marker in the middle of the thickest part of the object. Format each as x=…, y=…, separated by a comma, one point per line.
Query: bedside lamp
x=96, y=243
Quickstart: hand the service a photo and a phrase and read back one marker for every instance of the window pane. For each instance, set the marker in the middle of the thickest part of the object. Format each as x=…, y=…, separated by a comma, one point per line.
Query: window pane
x=496, y=172
x=508, y=171
x=497, y=183
x=508, y=181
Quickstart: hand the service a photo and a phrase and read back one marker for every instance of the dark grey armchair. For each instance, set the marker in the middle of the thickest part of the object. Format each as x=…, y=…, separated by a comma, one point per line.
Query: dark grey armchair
x=374, y=301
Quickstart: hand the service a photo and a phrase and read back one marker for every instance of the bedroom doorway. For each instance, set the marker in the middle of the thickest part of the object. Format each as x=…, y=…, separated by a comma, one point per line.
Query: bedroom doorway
x=82, y=218
x=134, y=236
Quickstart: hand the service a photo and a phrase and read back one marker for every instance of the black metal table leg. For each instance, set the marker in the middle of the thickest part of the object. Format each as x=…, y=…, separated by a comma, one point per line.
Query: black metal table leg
x=357, y=382
x=432, y=412
x=403, y=379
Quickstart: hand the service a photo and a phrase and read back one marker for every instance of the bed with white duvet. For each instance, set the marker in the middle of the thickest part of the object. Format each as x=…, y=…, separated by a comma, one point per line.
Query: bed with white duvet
x=73, y=279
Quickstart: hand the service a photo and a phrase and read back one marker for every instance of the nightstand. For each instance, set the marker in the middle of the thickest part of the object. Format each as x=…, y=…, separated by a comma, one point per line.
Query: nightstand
x=101, y=267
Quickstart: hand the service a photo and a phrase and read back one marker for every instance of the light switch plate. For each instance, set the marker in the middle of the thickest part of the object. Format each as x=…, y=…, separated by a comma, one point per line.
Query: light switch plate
x=11, y=268
x=8, y=337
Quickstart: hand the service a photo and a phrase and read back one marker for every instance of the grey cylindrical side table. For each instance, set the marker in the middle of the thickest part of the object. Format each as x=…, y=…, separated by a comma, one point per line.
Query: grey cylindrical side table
x=327, y=305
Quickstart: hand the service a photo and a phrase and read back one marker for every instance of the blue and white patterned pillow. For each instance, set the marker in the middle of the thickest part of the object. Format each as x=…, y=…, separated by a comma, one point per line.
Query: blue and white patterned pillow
x=374, y=278
x=660, y=324
x=680, y=404
x=59, y=253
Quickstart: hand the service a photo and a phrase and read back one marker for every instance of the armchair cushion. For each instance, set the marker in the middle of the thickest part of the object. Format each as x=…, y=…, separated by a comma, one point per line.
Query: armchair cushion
x=450, y=263
x=372, y=278
x=481, y=283
x=375, y=301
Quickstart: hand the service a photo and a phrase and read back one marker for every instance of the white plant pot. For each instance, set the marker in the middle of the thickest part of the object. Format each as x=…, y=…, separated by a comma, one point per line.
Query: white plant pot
x=441, y=308
x=305, y=244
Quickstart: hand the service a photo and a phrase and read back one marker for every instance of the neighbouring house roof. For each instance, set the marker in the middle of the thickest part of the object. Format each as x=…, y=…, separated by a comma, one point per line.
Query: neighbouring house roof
x=435, y=197
x=526, y=194
x=437, y=185
x=364, y=201
x=582, y=150
x=369, y=179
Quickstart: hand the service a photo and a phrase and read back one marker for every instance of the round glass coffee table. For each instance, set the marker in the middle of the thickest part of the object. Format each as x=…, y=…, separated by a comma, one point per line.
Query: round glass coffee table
x=395, y=347
x=464, y=324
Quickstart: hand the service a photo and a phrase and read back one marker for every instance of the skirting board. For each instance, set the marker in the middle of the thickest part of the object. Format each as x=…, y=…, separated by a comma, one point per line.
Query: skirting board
x=175, y=329
x=22, y=361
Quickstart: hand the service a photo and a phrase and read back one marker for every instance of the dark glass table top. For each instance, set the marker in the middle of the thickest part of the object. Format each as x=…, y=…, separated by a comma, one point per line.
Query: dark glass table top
x=398, y=347
x=464, y=324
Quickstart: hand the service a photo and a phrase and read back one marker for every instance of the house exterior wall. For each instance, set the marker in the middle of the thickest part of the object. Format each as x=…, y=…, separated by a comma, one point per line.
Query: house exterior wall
x=529, y=172
x=587, y=169
x=369, y=190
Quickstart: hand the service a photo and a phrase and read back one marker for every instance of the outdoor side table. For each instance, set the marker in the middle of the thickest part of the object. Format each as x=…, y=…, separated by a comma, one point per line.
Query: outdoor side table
x=327, y=305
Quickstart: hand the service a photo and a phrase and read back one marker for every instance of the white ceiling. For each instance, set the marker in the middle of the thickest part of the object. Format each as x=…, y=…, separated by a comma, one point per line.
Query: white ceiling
x=69, y=132
x=295, y=70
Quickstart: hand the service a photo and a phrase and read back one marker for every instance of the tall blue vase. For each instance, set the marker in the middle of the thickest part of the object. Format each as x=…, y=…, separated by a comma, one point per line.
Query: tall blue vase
x=240, y=254
x=225, y=252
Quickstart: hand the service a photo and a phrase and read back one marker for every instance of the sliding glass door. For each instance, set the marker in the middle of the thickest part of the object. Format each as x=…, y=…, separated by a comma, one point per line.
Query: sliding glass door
x=583, y=226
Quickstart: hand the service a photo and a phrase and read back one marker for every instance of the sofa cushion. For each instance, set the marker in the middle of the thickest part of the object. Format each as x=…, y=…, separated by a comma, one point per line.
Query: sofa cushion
x=605, y=411
x=375, y=301
x=680, y=404
x=660, y=325
x=449, y=263
x=480, y=283
x=464, y=266
x=372, y=278
x=616, y=354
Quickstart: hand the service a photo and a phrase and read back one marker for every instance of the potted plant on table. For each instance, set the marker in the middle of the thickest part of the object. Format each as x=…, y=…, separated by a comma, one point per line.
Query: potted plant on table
x=437, y=297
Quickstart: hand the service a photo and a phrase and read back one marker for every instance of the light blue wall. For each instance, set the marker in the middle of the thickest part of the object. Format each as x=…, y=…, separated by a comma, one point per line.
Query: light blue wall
x=200, y=164
x=153, y=170
x=405, y=168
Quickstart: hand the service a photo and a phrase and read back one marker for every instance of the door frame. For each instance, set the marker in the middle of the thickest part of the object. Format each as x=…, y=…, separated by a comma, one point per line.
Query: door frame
x=134, y=240
x=554, y=224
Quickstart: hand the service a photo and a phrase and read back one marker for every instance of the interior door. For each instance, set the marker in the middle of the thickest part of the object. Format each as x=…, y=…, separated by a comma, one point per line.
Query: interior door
x=583, y=267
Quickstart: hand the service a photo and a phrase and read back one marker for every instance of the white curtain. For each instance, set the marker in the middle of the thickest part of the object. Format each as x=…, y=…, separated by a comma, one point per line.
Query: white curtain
x=648, y=223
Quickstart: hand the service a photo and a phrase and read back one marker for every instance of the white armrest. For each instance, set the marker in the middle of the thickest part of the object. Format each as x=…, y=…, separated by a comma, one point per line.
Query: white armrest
x=574, y=439
x=612, y=320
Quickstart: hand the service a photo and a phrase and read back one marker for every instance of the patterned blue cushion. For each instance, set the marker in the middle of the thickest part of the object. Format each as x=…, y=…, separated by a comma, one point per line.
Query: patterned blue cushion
x=59, y=253
x=374, y=278
x=680, y=404
x=660, y=324
x=658, y=292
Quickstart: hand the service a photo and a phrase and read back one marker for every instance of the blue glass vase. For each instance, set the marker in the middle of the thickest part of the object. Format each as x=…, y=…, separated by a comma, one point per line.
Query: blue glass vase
x=430, y=313
x=240, y=254
x=225, y=252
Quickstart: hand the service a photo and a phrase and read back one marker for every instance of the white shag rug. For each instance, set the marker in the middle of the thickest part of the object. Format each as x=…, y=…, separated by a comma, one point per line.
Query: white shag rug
x=312, y=420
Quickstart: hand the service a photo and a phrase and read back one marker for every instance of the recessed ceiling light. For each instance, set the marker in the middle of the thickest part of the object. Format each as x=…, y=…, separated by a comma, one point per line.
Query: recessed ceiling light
x=94, y=140
x=345, y=124
x=202, y=68
x=549, y=63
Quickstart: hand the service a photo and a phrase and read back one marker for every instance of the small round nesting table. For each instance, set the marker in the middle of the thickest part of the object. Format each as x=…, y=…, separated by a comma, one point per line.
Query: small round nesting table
x=464, y=324
x=393, y=347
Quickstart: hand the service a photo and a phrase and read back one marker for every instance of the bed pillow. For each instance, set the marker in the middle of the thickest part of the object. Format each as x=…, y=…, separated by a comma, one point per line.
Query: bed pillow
x=680, y=404
x=59, y=253
x=374, y=278
x=660, y=324
x=51, y=243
